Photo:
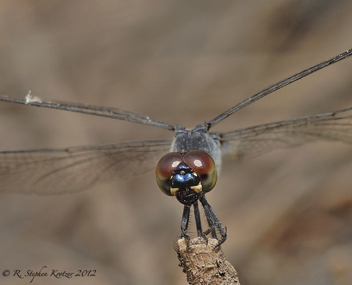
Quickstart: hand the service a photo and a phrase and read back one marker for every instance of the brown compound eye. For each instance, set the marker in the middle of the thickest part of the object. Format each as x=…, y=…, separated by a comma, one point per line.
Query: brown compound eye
x=164, y=169
x=202, y=164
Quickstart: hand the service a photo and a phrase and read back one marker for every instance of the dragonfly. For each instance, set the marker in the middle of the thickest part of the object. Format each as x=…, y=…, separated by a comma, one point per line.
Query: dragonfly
x=187, y=166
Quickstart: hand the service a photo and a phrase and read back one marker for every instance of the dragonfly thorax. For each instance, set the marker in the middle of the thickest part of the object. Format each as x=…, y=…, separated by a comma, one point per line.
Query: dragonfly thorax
x=197, y=139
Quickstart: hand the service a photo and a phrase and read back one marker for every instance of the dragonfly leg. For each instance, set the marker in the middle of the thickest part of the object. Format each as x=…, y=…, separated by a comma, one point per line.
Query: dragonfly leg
x=213, y=221
x=198, y=221
x=184, y=222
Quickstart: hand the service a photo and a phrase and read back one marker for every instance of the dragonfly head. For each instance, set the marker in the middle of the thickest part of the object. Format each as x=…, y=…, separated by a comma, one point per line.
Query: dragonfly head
x=187, y=175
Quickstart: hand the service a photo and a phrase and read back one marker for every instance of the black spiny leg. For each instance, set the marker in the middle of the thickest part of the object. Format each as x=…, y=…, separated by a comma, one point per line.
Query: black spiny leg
x=184, y=221
x=197, y=217
x=213, y=221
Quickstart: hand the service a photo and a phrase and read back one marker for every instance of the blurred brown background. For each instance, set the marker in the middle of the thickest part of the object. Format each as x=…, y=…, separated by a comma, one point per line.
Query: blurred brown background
x=288, y=212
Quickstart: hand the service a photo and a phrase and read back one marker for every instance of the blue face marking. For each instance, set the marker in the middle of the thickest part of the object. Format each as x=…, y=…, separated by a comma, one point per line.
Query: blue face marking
x=187, y=178
x=183, y=177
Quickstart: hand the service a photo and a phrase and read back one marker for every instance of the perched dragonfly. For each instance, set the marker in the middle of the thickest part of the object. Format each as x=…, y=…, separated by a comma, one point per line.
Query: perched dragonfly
x=188, y=164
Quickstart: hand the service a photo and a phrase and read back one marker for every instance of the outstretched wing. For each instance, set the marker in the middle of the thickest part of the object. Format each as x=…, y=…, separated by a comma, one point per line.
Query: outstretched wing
x=253, y=141
x=57, y=171
x=277, y=86
x=89, y=109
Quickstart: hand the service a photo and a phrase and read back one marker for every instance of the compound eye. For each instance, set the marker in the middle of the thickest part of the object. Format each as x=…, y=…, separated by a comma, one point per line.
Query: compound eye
x=204, y=166
x=164, y=169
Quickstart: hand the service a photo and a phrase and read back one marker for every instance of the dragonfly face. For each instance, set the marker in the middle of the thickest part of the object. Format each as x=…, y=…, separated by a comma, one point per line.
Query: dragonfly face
x=186, y=176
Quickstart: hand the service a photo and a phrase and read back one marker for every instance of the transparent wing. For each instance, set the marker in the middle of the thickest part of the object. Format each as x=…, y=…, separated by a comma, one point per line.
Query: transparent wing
x=277, y=86
x=90, y=110
x=57, y=171
x=253, y=141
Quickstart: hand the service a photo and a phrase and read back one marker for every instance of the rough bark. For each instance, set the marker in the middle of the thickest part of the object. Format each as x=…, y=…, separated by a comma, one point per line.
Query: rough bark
x=204, y=262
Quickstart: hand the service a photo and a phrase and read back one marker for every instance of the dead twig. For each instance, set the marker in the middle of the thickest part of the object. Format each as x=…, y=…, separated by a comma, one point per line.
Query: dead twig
x=204, y=262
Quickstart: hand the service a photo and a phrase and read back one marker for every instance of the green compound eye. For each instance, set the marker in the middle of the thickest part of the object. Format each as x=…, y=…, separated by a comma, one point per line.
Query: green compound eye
x=204, y=166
